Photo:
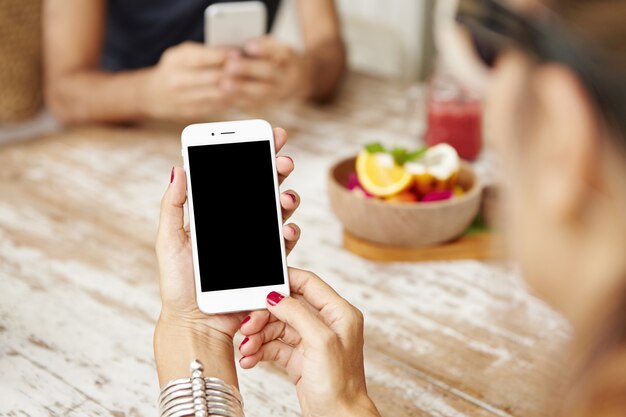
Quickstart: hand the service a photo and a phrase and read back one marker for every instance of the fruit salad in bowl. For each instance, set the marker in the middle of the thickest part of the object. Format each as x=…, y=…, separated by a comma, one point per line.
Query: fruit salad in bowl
x=405, y=197
x=399, y=176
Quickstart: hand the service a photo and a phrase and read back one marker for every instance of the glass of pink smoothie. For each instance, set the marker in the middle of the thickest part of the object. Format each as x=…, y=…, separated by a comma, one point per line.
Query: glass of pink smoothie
x=454, y=116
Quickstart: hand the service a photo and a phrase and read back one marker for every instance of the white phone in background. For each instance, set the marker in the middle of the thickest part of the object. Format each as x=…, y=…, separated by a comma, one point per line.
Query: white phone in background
x=235, y=23
x=235, y=215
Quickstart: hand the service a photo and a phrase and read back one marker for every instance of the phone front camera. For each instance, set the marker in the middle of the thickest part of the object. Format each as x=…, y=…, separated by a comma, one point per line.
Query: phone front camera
x=212, y=134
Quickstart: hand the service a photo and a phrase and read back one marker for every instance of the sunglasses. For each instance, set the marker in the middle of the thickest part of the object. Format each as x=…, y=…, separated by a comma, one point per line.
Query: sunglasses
x=494, y=28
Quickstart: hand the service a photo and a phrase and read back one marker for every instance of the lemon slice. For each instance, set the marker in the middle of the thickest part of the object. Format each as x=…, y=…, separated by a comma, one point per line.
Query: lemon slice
x=437, y=170
x=380, y=175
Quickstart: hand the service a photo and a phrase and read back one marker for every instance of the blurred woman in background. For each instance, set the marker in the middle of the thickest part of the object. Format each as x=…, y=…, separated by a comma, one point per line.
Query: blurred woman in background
x=557, y=108
x=116, y=60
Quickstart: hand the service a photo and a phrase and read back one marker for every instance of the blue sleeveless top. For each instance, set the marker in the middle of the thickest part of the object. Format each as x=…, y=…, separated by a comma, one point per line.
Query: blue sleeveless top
x=138, y=31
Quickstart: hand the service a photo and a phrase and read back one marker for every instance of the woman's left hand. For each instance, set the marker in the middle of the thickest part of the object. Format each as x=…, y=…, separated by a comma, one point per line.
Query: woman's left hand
x=269, y=71
x=173, y=248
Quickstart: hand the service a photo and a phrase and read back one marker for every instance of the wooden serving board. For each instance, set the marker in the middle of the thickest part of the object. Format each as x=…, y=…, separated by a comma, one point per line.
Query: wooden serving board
x=481, y=246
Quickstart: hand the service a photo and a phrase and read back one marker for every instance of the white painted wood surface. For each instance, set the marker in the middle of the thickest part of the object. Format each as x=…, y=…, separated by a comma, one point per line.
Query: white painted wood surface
x=41, y=124
x=388, y=38
x=79, y=296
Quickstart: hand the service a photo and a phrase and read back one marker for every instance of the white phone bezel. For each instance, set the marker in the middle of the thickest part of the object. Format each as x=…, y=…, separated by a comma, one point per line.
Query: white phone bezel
x=247, y=18
x=243, y=299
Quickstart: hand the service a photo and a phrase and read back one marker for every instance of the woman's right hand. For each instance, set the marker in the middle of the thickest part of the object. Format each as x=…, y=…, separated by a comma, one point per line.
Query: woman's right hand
x=317, y=336
x=184, y=85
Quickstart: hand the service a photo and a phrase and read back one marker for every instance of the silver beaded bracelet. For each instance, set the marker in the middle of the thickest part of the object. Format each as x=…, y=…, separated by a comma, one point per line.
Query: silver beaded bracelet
x=199, y=396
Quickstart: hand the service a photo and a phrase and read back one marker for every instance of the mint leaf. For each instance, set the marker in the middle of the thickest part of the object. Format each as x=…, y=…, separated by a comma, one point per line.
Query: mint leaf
x=375, y=147
x=402, y=156
x=479, y=225
x=399, y=155
x=416, y=154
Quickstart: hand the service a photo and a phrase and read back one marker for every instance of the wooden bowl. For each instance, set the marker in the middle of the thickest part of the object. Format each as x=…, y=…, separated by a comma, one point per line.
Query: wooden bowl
x=403, y=224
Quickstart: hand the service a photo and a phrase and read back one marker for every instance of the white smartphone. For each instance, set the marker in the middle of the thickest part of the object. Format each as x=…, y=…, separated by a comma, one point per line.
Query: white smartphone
x=235, y=23
x=234, y=214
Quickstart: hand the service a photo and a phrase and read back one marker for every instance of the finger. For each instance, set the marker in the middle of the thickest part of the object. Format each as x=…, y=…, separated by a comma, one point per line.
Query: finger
x=289, y=202
x=274, y=351
x=280, y=138
x=273, y=331
x=284, y=167
x=252, y=69
x=194, y=79
x=171, y=222
x=255, y=322
x=314, y=290
x=315, y=334
x=339, y=315
x=291, y=233
x=239, y=316
x=268, y=47
x=197, y=55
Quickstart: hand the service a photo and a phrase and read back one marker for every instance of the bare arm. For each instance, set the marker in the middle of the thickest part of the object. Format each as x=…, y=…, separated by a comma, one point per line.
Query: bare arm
x=271, y=70
x=76, y=90
x=324, y=47
x=177, y=343
x=184, y=85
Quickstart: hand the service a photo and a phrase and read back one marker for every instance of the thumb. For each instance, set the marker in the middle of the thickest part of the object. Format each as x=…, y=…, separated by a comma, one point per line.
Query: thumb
x=291, y=311
x=171, y=222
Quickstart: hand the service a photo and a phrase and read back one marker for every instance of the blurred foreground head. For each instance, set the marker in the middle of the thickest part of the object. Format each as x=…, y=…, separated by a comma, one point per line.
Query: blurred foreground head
x=556, y=111
x=562, y=137
x=565, y=152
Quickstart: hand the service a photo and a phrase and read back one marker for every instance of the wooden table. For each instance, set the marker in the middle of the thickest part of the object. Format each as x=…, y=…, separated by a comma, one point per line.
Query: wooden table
x=79, y=296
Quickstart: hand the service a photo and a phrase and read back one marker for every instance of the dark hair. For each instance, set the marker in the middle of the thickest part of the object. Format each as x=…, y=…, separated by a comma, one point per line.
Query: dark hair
x=600, y=23
x=588, y=45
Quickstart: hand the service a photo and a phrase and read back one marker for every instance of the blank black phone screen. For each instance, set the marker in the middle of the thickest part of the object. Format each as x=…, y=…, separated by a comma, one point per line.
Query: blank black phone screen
x=236, y=222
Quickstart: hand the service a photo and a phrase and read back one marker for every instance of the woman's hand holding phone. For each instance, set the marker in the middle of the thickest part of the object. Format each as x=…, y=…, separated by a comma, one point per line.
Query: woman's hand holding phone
x=180, y=317
x=184, y=85
x=317, y=337
x=270, y=70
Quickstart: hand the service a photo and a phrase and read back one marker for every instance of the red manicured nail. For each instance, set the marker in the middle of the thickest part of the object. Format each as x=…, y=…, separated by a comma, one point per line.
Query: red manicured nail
x=274, y=298
x=292, y=196
x=172, y=175
x=244, y=341
x=247, y=319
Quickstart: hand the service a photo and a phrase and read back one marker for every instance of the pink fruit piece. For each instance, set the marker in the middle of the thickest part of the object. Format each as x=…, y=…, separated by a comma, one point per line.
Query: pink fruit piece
x=437, y=196
x=353, y=181
x=355, y=184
